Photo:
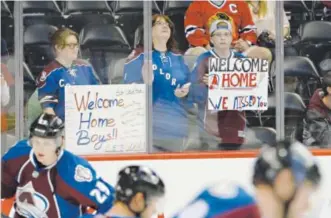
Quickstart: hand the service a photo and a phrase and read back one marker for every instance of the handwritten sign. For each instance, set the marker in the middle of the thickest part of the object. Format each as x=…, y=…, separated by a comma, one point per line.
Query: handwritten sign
x=238, y=84
x=105, y=119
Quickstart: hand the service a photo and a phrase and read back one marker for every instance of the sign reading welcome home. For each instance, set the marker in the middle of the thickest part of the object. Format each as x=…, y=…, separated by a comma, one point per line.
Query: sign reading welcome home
x=238, y=84
x=105, y=119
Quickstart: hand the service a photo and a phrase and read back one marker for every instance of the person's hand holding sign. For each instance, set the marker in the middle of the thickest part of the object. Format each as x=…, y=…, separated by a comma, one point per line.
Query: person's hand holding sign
x=181, y=92
x=205, y=79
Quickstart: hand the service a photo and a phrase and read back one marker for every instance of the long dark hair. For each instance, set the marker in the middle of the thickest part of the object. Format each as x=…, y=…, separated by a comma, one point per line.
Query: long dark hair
x=172, y=44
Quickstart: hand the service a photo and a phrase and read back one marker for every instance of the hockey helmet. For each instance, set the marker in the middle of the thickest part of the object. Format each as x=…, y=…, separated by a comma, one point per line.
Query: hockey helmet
x=134, y=179
x=294, y=156
x=47, y=126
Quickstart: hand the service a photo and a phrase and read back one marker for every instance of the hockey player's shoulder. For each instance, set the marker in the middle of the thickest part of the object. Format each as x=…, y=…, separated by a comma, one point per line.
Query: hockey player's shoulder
x=20, y=149
x=73, y=166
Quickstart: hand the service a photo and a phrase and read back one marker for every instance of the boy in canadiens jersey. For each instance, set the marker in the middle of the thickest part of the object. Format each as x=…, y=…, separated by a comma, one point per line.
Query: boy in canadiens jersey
x=46, y=180
x=139, y=193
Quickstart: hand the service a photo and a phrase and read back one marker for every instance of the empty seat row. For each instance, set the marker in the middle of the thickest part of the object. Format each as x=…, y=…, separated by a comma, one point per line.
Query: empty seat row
x=72, y=7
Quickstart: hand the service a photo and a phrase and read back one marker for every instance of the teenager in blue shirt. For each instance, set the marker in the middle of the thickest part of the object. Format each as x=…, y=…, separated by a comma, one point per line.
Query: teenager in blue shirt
x=225, y=128
x=65, y=70
x=170, y=82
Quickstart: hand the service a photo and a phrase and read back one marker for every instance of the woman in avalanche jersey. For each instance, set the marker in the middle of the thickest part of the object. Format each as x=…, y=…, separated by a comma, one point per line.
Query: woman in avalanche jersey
x=170, y=85
x=65, y=70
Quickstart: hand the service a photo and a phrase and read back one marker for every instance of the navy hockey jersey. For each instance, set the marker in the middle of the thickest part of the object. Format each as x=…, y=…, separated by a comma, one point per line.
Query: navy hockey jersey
x=170, y=71
x=222, y=200
x=60, y=190
x=228, y=125
x=55, y=77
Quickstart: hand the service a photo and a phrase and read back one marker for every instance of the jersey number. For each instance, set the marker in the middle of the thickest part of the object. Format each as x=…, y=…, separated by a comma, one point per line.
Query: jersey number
x=101, y=192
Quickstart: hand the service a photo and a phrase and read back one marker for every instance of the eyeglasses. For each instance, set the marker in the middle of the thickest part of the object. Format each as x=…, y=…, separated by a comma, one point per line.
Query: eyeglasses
x=159, y=23
x=71, y=45
x=222, y=34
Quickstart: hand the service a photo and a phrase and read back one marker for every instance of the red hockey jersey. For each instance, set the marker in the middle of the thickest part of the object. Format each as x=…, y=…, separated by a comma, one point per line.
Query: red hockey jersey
x=198, y=17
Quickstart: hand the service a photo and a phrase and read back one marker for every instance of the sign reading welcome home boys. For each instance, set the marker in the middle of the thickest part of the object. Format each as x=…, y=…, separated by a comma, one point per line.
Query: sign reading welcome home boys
x=105, y=119
x=238, y=84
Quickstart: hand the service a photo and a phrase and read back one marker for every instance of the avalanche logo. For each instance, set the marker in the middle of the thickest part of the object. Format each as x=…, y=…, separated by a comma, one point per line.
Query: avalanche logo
x=31, y=203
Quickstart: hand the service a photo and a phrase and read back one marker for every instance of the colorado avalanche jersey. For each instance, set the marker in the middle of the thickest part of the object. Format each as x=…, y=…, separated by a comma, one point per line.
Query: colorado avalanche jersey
x=170, y=72
x=60, y=190
x=228, y=125
x=223, y=200
x=55, y=77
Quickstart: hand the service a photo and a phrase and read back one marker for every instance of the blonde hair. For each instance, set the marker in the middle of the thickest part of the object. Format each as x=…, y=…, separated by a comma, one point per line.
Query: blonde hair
x=263, y=7
x=59, y=37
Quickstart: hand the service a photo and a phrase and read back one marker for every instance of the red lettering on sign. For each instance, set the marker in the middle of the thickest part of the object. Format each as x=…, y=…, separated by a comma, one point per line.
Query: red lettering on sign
x=225, y=103
x=234, y=80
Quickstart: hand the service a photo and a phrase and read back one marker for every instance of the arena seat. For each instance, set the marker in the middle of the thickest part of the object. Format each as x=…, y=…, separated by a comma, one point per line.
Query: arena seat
x=116, y=71
x=34, y=7
x=5, y=12
x=325, y=66
x=103, y=45
x=7, y=26
x=176, y=12
x=42, y=12
x=82, y=13
x=38, y=51
x=295, y=110
x=138, y=39
x=315, y=40
x=304, y=70
x=255, y=137
x=129, y=15
x=299, y=12
x=29, y=83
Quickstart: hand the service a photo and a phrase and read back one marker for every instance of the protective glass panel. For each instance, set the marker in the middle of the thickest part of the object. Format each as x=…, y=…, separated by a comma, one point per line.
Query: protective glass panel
x=198, y=107
x=76, y=55
x=307, y=71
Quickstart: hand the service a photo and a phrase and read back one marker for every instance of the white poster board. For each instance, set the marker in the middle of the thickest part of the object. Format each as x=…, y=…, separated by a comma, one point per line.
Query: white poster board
x=105, y=119
x=238, y=84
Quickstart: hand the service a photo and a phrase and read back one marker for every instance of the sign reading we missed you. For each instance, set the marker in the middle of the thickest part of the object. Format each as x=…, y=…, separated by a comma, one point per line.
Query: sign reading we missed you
x=238, y=84
x=105, y=119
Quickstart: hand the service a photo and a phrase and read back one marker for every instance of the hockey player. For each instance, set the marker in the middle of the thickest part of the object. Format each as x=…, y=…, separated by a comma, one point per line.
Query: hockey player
x=139, y=191
x=222, y=200
x=48, y=181
x=285, y=177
